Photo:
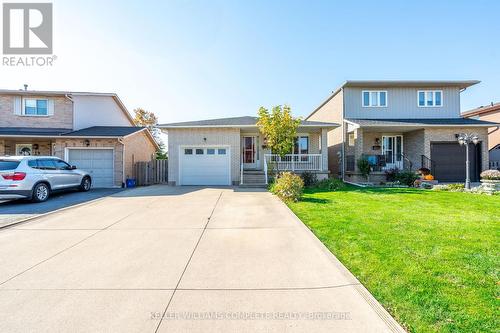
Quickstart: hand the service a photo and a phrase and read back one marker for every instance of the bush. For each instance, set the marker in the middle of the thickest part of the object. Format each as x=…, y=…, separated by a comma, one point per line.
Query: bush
x=406, y=177
x=450, y=187
x=490, y=175
x=288, y=187
x=391, y=175
x=330, y=184
x=364, y=167
x=309, y=178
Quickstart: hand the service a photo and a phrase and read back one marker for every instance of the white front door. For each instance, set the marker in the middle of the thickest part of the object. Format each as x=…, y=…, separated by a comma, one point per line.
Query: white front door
x=250, y=146
x=392, y=148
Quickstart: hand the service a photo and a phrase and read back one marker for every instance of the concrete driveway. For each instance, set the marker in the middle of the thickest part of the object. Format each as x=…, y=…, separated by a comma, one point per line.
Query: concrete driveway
x=13, y=211
x=165, y=259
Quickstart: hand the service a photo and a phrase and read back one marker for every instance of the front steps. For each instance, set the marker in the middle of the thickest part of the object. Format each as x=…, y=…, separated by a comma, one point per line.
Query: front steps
x=254, y=179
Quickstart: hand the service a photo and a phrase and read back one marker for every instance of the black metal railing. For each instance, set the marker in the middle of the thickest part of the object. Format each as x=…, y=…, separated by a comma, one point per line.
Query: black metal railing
x=428, y=163
x=386, y=162
x=350, y=163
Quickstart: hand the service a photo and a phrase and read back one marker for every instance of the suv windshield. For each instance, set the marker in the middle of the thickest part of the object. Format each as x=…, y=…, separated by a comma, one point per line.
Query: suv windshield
x=8, y=164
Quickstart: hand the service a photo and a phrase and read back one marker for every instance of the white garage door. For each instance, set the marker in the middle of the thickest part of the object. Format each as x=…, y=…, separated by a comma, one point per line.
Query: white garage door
x=205, y=166
x=98, y=162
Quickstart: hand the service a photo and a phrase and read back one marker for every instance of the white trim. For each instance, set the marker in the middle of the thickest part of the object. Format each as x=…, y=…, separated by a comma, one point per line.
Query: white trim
x=23, y=106
x=433, y=99
x=333, y=125
x=66, y=156
x=181, y=147
x=370, y=98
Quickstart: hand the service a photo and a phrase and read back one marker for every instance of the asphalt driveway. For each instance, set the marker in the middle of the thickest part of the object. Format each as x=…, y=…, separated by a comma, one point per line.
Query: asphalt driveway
x=12, y=211
x=184, y=259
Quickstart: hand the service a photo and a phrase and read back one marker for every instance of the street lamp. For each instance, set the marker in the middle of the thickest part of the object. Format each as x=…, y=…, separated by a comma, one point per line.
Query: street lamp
x=466, y=139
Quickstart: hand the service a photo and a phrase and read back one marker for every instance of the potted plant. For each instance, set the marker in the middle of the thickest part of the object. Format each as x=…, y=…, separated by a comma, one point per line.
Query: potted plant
x=490, y=180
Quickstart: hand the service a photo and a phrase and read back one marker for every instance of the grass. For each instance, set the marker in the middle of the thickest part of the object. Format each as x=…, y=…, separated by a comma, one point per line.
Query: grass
x=431, y=258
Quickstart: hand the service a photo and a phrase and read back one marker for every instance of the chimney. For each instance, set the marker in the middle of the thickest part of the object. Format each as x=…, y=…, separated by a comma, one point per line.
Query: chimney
x=491, y=103
x=25, y=87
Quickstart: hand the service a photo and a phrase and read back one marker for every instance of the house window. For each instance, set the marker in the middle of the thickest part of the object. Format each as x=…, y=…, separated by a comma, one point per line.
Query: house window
x=301, y=145
x=199, y=151
x=374, y=98
x=188, y=152
x=221, y=151
x=210, y=151
x=430, y=98
x=351, y=139
x=36, y=107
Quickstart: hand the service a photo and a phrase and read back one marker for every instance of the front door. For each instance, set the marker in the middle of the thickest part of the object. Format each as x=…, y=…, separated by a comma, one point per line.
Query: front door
x=249, y=150
x=392, y=148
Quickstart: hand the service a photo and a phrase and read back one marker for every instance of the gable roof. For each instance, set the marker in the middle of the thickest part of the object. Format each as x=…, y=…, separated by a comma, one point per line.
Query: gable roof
x=482, y=110
x=68, y=94
x=246, y=121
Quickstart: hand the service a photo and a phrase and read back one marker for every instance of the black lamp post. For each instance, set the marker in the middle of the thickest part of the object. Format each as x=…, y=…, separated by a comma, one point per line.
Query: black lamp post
x=466, y=139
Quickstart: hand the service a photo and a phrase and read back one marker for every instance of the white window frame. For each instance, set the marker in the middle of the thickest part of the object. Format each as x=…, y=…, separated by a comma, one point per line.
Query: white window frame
x=370, y=98
x=23, y=107
x=433, y=99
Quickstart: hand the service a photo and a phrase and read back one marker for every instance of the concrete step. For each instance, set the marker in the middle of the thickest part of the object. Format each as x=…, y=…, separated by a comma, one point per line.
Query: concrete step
x=253, y=186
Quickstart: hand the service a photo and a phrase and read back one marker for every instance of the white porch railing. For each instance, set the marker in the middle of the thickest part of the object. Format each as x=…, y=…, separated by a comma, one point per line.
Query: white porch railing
x=293, y=162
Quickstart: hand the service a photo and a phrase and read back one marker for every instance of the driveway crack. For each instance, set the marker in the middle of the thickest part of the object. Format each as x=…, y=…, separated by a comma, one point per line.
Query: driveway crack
x=188, y=262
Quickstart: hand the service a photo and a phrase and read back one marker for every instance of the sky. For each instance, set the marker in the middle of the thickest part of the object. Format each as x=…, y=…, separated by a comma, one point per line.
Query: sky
x=190, y=60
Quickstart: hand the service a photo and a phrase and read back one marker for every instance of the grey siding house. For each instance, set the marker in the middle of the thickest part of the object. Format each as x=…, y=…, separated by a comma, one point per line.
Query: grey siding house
x=401, y=125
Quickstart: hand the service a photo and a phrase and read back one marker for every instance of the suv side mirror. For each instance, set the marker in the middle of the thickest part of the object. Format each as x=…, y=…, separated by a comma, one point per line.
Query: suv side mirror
x=73, y=167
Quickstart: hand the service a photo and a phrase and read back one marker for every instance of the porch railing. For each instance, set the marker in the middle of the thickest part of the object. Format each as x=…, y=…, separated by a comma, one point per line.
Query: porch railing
x=381, y=162
x=294, y=162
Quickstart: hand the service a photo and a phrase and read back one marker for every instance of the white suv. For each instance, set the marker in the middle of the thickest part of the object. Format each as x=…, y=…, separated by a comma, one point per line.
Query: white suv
x=35, y=177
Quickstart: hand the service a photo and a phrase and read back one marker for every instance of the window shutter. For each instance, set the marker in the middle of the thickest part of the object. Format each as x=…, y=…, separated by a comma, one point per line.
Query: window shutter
x=17, y=105
x=50, y=107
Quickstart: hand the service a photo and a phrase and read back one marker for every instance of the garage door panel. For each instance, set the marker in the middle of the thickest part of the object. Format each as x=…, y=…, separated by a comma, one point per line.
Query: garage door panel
x=205, y=169
x=449, y=159
x=99, y=163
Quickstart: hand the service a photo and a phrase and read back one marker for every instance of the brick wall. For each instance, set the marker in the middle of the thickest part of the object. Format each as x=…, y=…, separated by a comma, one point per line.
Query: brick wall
x=59, y=145
x=138, y=147
x=62, y=118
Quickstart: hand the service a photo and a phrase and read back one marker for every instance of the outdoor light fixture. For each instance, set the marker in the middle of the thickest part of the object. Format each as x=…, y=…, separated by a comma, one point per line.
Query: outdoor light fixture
x=466, y=139
x=86, y=142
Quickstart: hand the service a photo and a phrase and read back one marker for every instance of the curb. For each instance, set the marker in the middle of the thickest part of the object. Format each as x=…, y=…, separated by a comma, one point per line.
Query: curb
x=391, y=323
x=31, y=218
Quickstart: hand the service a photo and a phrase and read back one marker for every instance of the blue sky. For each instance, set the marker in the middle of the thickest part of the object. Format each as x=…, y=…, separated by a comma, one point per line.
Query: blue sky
x=188, y=60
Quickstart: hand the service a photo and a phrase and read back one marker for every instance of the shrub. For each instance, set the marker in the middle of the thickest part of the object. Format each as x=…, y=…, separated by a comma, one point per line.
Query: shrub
x=364, y=167
x=406, y=177
x=391, y=175
x=330, y=184
x=490, y=175
x=309, y=178
x=288, y=187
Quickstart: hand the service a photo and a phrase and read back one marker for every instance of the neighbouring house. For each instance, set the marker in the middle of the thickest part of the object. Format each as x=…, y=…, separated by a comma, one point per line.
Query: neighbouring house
x=401, y=125
x=231, y=151
x=489, y=113
x=93, y=131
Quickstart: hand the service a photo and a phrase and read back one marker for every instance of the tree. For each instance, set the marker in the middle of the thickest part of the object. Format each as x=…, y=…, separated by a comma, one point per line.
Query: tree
x=150, y=120
x=279, y=129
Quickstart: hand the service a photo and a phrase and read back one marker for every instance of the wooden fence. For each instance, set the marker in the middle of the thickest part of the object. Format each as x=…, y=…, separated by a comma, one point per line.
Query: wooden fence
x=152, y=172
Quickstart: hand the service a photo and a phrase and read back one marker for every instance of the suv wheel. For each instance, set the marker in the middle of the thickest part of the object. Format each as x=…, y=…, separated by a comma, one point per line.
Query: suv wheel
x=41, y=193
x=85, y=185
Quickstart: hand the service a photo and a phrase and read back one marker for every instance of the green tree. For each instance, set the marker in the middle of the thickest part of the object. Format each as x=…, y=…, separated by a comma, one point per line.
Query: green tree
x=279, y=128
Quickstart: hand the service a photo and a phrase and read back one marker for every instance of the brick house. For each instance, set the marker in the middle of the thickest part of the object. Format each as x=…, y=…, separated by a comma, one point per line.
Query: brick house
x=93, y=131
x=401, y=125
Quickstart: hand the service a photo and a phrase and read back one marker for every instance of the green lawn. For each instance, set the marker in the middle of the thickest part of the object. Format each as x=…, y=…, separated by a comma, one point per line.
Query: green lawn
x=431, y=258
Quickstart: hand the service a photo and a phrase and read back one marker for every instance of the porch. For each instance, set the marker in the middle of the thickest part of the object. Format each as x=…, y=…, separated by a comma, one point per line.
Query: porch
x=258, y=162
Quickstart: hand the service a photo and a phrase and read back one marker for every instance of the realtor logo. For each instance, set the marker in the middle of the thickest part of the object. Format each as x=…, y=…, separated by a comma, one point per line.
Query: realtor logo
x=27, y=28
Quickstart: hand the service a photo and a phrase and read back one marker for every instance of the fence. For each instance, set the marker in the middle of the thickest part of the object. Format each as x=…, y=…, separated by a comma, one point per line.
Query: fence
x=152, y=172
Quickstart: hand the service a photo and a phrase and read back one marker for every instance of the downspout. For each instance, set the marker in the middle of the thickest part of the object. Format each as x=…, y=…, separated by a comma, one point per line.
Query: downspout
x=120, y=140
x=342, y=156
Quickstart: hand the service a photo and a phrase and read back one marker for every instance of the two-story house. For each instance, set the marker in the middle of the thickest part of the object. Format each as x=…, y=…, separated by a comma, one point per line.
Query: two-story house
x=93, y=131
x=401, y=125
